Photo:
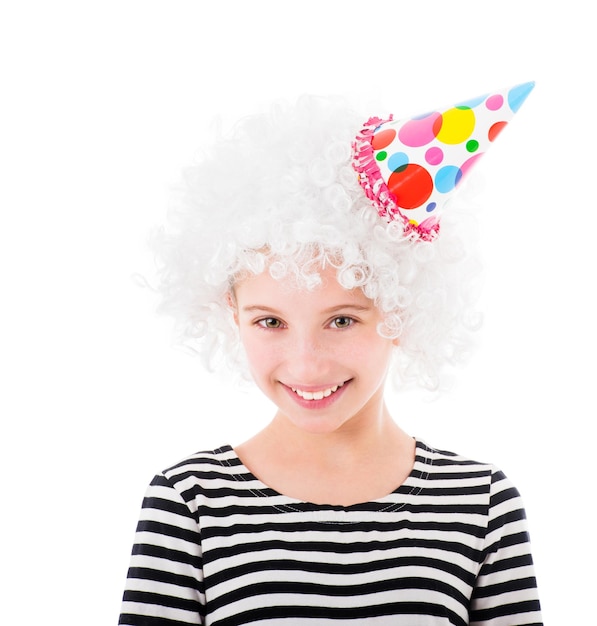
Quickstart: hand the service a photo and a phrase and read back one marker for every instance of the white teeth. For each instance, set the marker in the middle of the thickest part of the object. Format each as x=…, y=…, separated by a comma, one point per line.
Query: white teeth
x=317, y=395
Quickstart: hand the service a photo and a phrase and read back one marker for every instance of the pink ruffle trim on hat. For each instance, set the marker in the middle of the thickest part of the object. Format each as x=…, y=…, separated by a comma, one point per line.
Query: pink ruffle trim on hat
x=375, y=188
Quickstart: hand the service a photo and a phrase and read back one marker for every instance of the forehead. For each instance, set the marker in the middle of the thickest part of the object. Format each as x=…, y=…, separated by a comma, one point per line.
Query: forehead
x=263, y=289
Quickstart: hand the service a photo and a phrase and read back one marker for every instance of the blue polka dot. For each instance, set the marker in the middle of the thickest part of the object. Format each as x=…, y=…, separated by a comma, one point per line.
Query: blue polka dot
x=517, y=95
x=430, y=207
x=398, y=160
x=472, y=103
x=447, y=178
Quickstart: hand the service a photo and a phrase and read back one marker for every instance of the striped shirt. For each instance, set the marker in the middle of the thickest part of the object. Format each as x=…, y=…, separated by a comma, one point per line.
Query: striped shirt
x=216, y=546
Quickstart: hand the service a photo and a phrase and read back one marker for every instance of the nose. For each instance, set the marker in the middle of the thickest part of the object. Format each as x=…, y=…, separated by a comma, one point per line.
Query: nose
x=309, y=359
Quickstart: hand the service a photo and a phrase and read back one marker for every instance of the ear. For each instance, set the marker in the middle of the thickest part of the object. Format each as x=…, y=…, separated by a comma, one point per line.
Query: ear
x=231, y=304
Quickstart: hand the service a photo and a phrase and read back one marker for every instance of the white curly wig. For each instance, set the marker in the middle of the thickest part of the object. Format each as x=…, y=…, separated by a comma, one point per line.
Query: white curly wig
x=279, y=194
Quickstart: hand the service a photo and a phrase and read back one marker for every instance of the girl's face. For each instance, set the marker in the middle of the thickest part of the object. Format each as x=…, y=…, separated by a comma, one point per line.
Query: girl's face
x=316, y=354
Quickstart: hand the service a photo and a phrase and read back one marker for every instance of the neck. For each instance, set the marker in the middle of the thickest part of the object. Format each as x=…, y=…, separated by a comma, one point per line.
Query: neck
x=351, y=465
x=360, y=439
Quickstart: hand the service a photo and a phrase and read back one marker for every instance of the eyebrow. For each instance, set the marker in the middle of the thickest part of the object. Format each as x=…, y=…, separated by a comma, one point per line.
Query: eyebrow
x=343, y=307
x=334, y=309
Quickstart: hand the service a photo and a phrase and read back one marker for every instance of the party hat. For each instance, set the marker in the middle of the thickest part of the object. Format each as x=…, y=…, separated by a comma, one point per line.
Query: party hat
x=409, y=168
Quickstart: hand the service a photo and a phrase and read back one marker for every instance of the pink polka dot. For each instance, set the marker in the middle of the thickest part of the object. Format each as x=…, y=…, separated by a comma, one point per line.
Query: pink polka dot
x=466, y=166
x=420, y=131
x=495, y=103
x=434, y=156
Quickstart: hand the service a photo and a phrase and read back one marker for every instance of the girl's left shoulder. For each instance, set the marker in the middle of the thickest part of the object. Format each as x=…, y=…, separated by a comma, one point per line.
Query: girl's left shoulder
x=455, y=469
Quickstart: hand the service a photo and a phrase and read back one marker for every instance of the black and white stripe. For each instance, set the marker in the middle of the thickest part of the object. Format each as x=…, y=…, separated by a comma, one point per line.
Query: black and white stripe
x=216, y=546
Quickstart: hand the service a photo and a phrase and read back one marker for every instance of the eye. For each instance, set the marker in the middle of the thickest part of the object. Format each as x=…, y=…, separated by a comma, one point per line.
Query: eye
x=342, y=322
x=270, y=322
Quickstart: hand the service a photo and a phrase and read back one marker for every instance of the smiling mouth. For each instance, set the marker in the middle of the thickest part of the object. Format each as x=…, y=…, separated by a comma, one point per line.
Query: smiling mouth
x=317, y=395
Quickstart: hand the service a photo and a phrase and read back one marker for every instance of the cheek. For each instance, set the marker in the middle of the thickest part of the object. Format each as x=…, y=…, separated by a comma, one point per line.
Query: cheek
x=260, y=355
x=372, y=345
x=248, y=345
x=375, y=354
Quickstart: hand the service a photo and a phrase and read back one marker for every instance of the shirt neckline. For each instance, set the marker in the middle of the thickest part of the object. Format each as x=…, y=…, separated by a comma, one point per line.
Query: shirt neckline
x=394, y=501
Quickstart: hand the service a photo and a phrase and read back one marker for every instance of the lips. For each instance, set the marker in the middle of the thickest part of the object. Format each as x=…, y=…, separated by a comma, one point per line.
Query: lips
x=317, y=395
x=317, y=398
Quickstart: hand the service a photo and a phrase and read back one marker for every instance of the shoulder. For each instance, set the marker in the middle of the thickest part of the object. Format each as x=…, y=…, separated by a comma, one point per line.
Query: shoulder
x=208, y=465
x=444, y=465
x=209, y=474
x=444, y=461
x=445, y=469
x=205, y=459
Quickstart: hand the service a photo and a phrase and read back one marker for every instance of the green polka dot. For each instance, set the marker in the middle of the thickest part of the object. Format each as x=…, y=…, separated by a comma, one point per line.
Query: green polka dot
x=472, y=145
x=381, y=155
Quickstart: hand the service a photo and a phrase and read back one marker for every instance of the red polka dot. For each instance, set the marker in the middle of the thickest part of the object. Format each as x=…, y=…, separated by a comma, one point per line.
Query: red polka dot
x=411, y=185
x=383, y=139
x=495, y=130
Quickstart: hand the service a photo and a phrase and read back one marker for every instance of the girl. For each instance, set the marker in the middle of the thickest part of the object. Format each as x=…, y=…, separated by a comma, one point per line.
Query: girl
x=305, y=249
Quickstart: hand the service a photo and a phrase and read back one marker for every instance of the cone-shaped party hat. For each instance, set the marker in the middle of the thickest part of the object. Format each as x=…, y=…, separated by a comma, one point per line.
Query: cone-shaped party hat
x=409, y=168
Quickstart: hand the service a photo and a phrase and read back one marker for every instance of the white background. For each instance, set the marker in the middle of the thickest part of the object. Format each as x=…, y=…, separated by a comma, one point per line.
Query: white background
x=101, y=105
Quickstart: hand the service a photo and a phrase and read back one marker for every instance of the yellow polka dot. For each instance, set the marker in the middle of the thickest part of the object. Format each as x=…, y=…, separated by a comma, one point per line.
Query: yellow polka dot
x=457, y=125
